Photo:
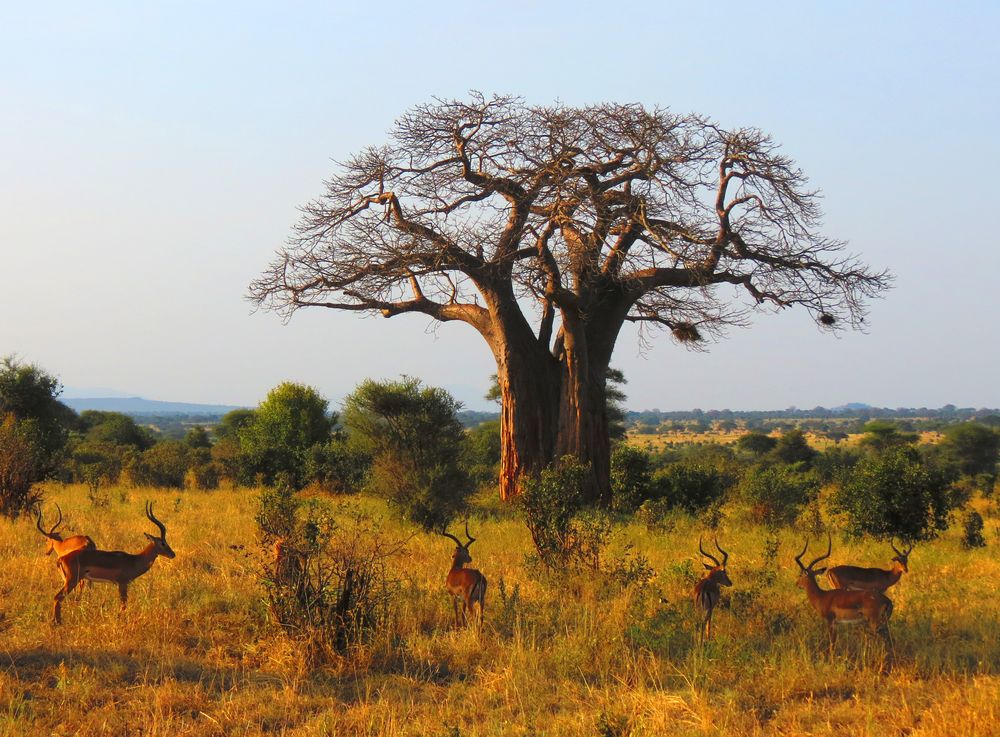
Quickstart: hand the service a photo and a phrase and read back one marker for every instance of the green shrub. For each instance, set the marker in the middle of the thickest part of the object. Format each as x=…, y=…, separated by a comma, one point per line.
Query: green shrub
x=776, y=494
x=896, y=494
x=553, y=505
x=972, y=532
x=631, y=478
x=688, y=486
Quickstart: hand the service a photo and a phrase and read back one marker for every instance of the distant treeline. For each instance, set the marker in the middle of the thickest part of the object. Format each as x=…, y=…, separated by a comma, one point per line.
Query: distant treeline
x=948, y=413
x=175, y=425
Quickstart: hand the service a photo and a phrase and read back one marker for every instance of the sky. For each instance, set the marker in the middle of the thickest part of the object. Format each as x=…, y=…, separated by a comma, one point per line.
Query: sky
x=153, y=156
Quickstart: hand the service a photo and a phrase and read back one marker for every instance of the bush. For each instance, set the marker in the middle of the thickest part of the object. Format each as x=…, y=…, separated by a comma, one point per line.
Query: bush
x=328, y=586
x=756, y=443
x=335, y=467
x=274, y=440
x=972, y=533
x=416, y=441
x=164, y=465
x=776, y=494
x=17, y=470
x=688, y=486
x=565, y=533
x=896, y=494
x=631, y=477
x=481, y=454
x=792, y=448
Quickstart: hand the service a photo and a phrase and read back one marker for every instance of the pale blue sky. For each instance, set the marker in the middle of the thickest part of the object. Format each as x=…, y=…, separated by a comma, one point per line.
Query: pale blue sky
x=152, y=157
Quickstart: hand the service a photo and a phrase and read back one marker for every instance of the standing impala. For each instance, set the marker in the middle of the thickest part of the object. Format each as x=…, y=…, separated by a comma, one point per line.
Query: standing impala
x=55, y=542
x=871, y=579
x=841, y=606
x=111, y=566
x=466, y=584
x=706, y=591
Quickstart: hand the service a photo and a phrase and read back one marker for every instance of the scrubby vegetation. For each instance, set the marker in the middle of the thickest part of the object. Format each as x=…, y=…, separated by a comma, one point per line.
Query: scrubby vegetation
x=202, y=652
x=307, y=595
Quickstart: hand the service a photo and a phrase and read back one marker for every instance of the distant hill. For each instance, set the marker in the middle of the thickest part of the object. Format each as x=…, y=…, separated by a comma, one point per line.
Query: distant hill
x=140, y=406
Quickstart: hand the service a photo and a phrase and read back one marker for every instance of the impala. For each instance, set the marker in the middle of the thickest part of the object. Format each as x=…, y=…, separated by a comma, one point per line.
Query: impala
x=841, y=606
x=55, y=542
x=871, y=579
x=112, y=566
x=706, y=592
x=466, y=584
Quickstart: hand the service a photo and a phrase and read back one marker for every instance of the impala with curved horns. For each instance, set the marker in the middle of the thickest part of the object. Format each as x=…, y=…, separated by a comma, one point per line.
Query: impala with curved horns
x=871, y=579
x=56, y=543
x=706, y=591
x=463, y=583
x=111, y=566
x=841, y=606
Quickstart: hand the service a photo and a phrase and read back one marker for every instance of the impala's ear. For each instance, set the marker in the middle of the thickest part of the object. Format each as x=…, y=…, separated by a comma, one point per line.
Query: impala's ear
x=820, y=571
x=150, y=536
x=708, y=566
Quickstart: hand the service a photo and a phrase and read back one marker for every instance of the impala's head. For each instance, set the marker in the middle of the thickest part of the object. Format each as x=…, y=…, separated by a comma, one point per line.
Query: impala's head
x=51, y=536
x=160, y=542
x=900, y=560
x=807, y=573
x=461, y=555
x=716, y=570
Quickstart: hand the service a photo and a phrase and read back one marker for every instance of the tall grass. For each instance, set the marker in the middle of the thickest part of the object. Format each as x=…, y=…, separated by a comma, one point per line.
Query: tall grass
x=561, y=654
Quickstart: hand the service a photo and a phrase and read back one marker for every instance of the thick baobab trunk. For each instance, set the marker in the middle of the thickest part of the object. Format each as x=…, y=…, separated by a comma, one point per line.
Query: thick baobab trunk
x=551, y=409
x=529, y=417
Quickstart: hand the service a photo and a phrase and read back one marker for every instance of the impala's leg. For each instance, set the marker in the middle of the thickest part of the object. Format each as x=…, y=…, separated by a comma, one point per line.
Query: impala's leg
x=70, y=579
x=123, y=594
x=454, y=601
x=482, y=604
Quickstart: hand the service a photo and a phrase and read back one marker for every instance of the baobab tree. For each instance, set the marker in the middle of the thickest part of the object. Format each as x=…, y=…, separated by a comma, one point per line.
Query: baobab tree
x=547, y=228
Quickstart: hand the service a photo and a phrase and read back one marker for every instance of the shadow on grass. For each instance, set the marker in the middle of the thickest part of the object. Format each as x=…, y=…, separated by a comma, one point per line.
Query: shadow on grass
x=39, y=664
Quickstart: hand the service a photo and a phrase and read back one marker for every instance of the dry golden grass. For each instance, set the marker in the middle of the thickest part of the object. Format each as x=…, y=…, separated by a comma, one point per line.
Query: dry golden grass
x=196, y=653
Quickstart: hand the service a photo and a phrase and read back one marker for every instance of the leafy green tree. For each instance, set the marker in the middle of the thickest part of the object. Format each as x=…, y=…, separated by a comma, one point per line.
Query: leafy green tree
x=291, y=420
x=880, y=435
x=757, y=443
x=792, y=447
x=974, y=449
x=36, y=431
x=232, y=422
x=416, y=442
x=114, y=428
x=896, y=493
x=197, y=437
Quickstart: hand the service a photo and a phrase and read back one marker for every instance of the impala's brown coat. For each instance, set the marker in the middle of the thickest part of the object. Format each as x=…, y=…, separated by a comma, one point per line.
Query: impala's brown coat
x=465, y=584
x=110, y=566
x=840, y=606
x=707, y=592
x=870, y=579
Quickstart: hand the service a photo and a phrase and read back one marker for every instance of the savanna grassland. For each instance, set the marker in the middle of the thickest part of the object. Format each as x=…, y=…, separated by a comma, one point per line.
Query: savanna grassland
x=197, y=652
